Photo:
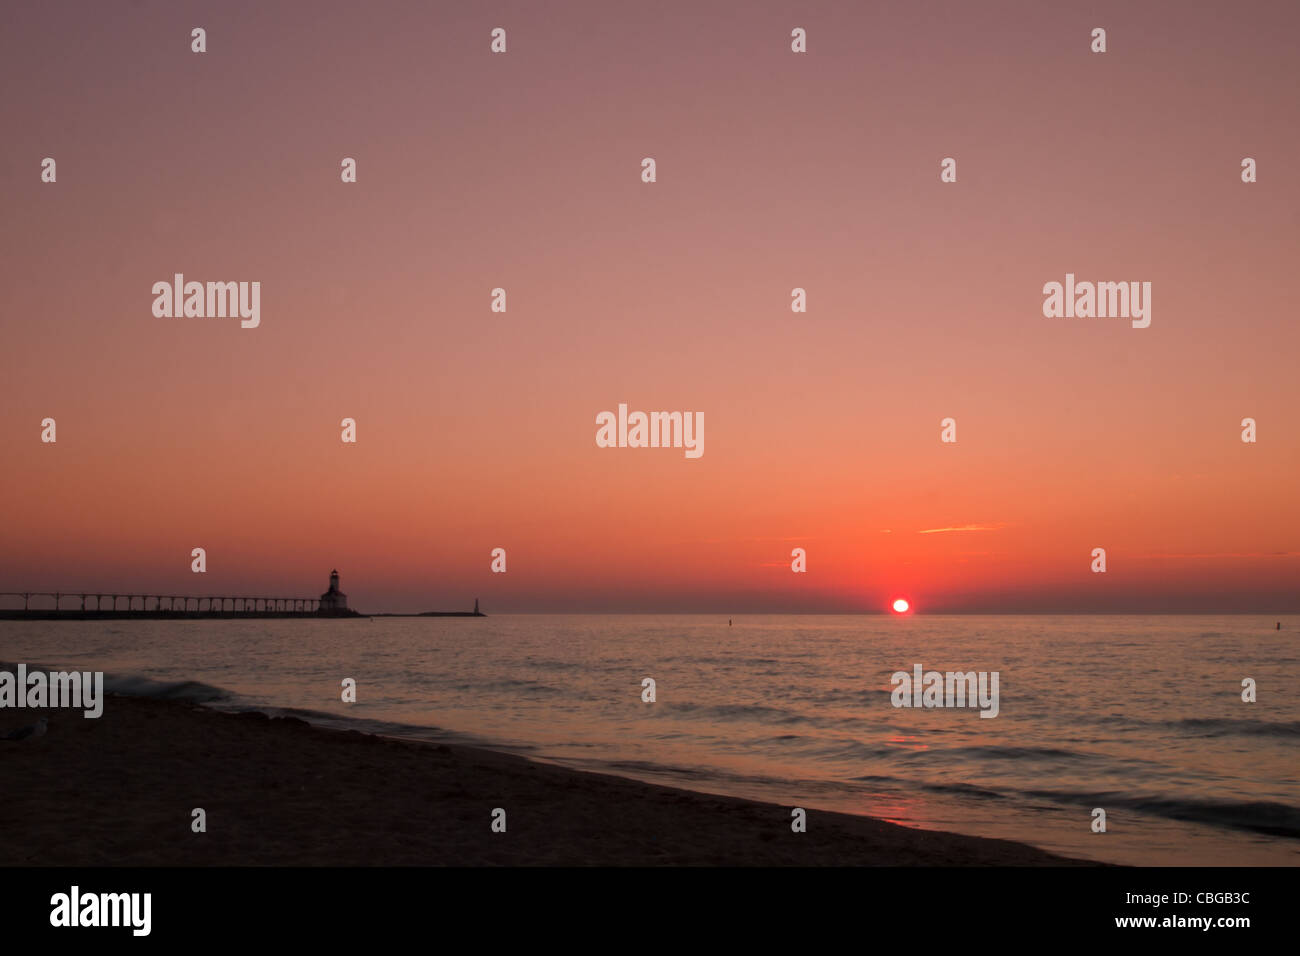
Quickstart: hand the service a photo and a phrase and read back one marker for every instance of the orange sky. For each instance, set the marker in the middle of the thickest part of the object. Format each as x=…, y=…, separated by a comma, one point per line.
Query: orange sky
x=775, y=170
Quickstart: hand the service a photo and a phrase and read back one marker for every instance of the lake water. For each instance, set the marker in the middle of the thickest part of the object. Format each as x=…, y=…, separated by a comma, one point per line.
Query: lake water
x=1140, y=716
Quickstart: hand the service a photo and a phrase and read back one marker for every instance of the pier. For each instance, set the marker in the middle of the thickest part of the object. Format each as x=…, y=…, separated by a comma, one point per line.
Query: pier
x=333, y=603
x=91, y=605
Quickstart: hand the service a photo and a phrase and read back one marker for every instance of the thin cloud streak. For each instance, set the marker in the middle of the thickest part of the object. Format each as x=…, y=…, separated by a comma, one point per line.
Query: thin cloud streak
x=1226, y=554
x=964, y=527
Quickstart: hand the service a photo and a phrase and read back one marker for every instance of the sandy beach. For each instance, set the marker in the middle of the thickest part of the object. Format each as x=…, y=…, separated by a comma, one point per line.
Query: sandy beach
x=120, y=790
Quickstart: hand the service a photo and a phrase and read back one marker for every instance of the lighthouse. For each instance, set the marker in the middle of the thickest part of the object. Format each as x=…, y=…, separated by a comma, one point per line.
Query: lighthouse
x=333, y=600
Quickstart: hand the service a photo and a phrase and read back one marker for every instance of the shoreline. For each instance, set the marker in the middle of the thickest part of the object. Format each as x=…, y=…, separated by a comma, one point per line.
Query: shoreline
x=120, y=790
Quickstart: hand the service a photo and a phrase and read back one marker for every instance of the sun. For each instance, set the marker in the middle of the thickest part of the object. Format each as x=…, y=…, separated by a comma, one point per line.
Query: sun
x=901, y=606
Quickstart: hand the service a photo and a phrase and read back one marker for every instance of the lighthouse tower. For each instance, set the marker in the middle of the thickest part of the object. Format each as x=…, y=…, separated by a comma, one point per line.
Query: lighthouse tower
x=333, y=600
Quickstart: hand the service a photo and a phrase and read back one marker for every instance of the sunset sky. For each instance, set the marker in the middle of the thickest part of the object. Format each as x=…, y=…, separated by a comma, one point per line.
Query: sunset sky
x=477, y=430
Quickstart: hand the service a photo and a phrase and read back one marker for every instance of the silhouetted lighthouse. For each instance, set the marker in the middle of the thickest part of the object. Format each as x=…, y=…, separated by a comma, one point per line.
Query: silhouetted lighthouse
x=334, y=599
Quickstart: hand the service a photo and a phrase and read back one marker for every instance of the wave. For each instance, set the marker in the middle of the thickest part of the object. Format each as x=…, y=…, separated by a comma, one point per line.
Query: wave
x=219, y=698
x=1256, y=816
x=133, y=685
x=191, y=690
x=964, y=789
x=1221, y=726
x=1259, y=816
x=1015, y=753
x=1205, y=726
x=740, y=712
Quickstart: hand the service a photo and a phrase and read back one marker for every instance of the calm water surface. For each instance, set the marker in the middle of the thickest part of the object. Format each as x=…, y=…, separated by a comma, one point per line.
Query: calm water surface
x=1141, y=716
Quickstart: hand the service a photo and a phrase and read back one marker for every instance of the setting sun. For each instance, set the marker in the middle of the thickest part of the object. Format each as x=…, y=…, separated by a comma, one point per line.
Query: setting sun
x=900, y=606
